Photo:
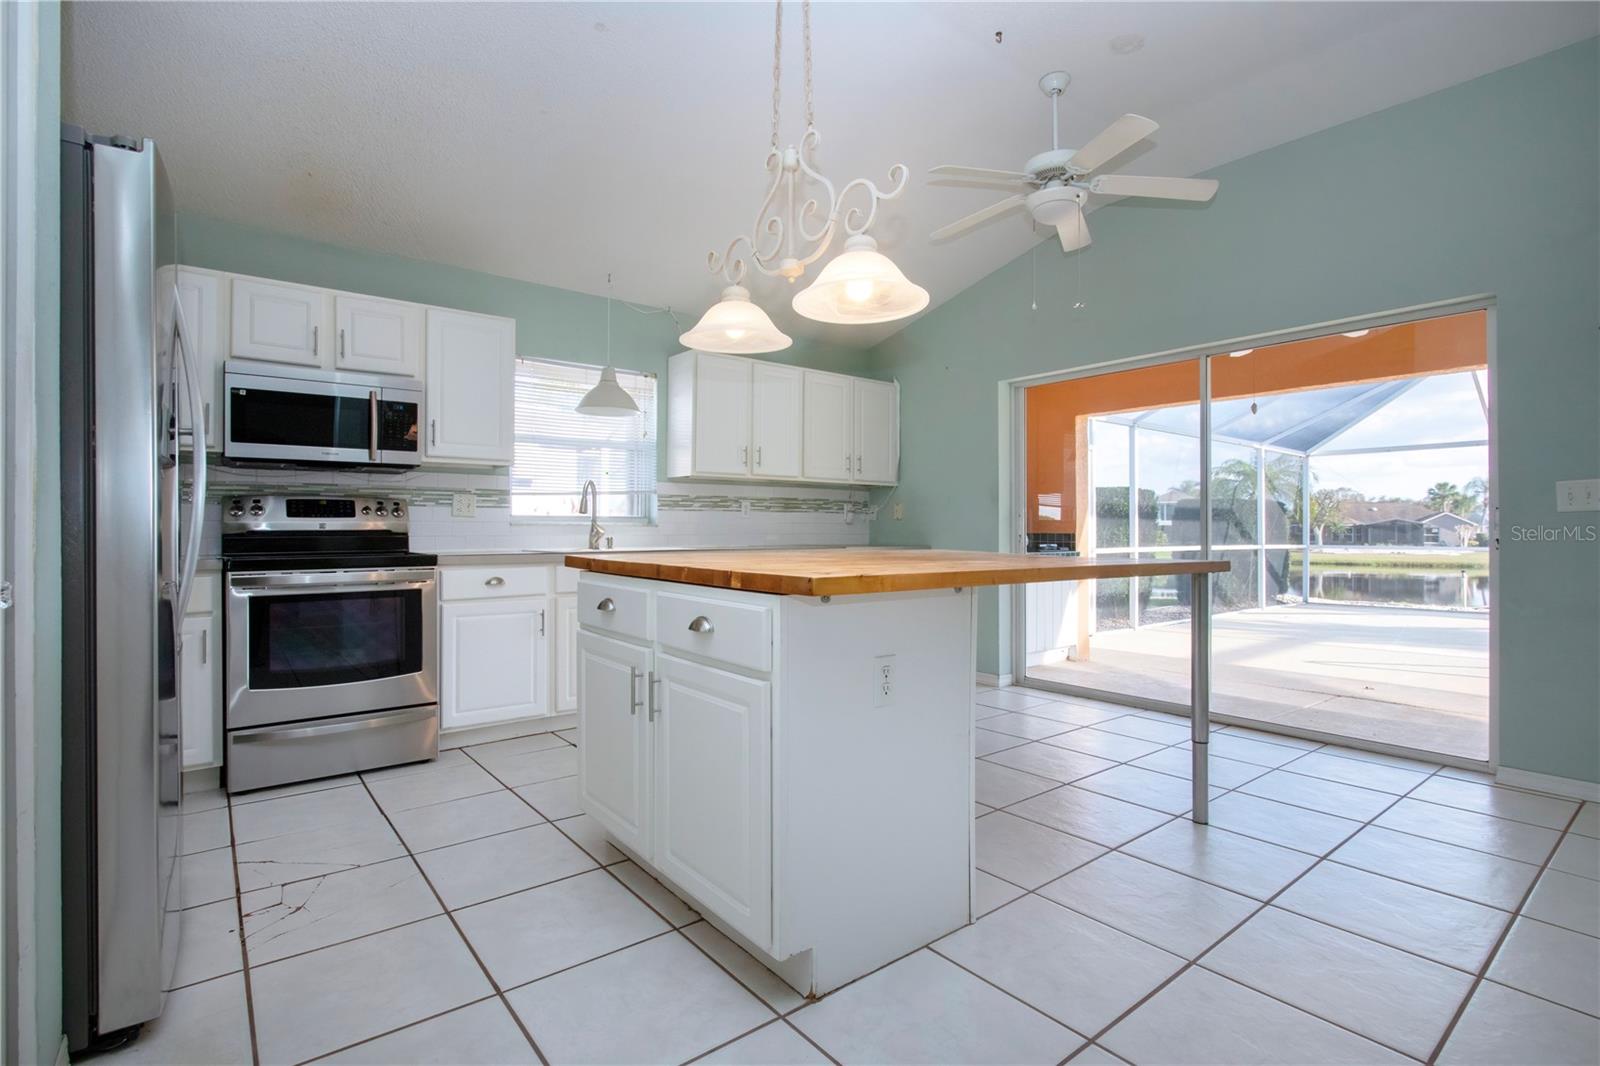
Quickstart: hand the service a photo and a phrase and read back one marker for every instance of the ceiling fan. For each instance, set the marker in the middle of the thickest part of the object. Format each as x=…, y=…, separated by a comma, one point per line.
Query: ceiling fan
x=1061, y=179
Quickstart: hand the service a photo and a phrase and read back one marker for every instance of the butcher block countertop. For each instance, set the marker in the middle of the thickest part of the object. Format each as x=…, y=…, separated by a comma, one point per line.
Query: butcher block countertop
x=853, y=571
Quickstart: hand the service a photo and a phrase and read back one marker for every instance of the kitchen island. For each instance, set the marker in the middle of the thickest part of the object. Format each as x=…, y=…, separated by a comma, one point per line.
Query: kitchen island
x=785, y=737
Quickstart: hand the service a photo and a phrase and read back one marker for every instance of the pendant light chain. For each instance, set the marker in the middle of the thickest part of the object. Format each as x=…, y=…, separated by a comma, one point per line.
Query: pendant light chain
x=805, y=33
x=777, y=71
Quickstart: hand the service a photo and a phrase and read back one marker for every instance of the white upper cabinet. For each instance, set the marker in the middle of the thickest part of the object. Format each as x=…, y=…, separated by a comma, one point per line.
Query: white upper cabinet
x=828, y=448
x=206, y=316
x=775, y=406
x=722, y=414
x=281, y=323
x=377, y=336
x=877, y=432
x=471, y=360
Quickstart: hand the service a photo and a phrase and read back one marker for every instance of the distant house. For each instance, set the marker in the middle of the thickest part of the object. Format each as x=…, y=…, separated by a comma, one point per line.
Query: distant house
x=1401, y=523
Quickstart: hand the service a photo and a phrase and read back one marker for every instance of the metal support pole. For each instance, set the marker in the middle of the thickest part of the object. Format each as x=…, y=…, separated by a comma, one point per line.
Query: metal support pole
x=1261, y=527
x=1305, y=528
x=1200, y=694
x=1133, y=523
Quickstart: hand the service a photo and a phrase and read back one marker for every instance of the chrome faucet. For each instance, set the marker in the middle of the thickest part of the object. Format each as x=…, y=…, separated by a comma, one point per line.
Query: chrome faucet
x=589, y=504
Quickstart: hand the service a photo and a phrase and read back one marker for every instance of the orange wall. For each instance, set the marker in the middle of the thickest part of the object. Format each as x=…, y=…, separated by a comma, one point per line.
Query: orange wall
x=1058, y=413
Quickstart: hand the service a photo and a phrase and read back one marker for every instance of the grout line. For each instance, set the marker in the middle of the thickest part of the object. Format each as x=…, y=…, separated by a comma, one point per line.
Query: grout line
x=457, y=926
x=399, y=1028
x=1505, y=933
x=244, y=949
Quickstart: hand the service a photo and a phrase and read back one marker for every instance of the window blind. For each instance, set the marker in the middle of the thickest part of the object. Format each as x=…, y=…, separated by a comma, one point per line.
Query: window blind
x=558, y=449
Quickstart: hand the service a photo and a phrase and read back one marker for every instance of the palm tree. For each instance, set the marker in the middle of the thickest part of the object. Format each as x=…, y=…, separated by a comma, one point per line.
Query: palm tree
x=1444, y=496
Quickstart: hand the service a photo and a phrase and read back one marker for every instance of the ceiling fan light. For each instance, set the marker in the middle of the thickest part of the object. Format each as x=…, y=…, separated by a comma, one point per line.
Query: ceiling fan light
x=735, y=326
x=608, y=399
x=860, y=286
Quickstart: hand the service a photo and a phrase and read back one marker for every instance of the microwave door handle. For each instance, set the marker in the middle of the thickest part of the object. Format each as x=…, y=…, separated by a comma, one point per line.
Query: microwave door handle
x=184, y=357
x=372, y=423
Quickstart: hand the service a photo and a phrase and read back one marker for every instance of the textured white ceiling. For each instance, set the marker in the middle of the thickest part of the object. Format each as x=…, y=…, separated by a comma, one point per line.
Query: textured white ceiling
x=556, y=142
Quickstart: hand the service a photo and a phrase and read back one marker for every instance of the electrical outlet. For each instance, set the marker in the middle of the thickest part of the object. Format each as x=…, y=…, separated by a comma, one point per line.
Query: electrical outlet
x=899, y=512
x=744, y=508
x=883, y=681
x=463, y=505
x=1578, y=495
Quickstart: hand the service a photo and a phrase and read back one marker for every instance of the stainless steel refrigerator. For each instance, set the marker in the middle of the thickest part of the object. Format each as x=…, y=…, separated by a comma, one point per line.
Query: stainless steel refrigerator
x=130, y=543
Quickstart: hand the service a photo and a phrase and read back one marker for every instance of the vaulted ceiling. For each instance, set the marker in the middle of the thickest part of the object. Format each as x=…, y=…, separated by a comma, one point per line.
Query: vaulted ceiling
x=557, y=143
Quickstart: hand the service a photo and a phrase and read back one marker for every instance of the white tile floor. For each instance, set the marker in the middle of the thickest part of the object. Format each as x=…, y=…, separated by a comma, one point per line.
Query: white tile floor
x=1341, y=907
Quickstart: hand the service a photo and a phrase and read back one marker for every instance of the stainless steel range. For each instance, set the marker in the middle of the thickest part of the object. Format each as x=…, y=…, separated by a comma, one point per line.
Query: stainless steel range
x=332, y=653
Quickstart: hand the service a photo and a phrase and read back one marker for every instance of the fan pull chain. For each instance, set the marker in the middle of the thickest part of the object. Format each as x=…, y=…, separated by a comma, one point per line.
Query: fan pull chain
x=1034, y=260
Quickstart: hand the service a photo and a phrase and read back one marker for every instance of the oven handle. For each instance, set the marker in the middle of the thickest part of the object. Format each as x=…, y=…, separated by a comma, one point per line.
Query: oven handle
x=274, y=735
x=318, y=589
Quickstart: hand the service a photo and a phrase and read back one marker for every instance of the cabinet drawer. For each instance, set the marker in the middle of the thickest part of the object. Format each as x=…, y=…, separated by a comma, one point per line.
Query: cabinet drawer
x=620, y=609
x=736, y=633
x=492, y=582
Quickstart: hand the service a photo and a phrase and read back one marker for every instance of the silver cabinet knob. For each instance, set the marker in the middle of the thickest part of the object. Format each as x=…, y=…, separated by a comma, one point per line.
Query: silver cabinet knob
x=495, y=582
x=606, y=605
x=701, y=624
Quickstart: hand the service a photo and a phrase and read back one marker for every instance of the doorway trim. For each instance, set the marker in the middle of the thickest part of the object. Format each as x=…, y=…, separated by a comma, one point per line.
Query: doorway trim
x=1014, y=501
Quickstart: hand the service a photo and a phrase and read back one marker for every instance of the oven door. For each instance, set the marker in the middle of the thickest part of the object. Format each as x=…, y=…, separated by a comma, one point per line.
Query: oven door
x=303, y=646
x=296, y=420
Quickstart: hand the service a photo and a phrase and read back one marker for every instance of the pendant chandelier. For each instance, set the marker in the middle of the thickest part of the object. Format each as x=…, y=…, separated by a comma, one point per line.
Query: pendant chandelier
x=608, y=399
x=861, y=286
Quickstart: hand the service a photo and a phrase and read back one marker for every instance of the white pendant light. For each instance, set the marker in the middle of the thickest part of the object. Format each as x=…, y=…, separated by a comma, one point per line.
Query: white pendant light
x=608, y=399
x=735, y=326
x=860, y=286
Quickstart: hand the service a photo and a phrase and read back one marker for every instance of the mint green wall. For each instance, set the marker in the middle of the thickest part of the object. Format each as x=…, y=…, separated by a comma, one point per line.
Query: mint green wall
x=554, y=323
x=47, y=546
x=1492, y=186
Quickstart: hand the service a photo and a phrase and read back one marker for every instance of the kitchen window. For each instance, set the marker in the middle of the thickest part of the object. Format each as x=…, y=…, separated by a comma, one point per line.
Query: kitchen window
x=558, y=449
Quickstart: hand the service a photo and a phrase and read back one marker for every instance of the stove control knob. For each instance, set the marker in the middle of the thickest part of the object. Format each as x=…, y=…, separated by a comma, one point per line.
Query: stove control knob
x=379, y=511
x=236, y=509
x=365, y=509
x=256, y=510
x=395, y=509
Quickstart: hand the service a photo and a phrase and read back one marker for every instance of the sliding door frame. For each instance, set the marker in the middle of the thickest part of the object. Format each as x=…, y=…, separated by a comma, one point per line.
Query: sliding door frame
x=1015, y=504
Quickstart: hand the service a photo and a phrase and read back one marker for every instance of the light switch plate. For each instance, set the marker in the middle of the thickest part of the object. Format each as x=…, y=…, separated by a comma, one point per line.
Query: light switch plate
x=1581, y=495
x=899, y=512
x=463, y=505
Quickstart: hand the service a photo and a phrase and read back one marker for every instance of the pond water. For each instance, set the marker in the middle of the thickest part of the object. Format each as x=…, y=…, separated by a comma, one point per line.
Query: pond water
x=1426, y=589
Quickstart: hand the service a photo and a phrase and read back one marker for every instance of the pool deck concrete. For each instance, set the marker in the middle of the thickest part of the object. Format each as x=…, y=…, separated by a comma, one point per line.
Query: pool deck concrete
x=1410, y=677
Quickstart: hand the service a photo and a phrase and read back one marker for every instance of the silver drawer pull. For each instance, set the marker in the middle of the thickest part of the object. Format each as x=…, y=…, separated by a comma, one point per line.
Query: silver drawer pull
x=702, y=624
x=495, y=582
x=606, y=605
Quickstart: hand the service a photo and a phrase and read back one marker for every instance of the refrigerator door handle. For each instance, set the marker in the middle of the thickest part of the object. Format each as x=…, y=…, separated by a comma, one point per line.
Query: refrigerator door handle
x=197, y=443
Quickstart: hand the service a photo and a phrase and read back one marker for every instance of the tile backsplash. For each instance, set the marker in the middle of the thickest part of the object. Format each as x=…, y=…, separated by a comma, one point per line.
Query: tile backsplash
x=688, y=513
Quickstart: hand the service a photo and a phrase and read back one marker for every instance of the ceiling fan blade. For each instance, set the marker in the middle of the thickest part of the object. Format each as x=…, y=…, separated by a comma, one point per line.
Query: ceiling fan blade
x=1111, y=142
x=1199, y=189
x=1003, y=177
x=961, y=225
x=1073, y=231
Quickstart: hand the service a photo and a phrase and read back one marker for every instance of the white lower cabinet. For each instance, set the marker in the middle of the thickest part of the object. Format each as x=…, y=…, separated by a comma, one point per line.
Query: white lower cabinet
x=198, y=691
x=614, y=737
x=494, y=664
x=712, y=789
x=566, y=618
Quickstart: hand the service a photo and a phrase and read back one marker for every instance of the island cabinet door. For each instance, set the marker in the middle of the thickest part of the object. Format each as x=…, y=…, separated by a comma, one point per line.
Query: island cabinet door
x=713, y=791
x=613, y=738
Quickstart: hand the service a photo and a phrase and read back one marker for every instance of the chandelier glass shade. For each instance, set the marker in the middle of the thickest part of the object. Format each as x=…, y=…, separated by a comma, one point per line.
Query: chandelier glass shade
x=735, y=326
x=860, y=286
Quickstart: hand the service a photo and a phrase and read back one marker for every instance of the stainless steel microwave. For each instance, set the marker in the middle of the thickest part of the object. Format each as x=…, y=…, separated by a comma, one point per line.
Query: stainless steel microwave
x=287, y=414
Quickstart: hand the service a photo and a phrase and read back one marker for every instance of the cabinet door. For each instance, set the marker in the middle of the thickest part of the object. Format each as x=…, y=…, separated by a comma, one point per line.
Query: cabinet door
x=471, y=361
x=494, y=661
x=566, y=616
x=775, y=405
x=200, y=294
x=280, y=323
x=827, y=452
x=202, y=724
x=613, y=729
x=877, y=432
x=721, y=415
x=377, y=336
x=713, y=791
